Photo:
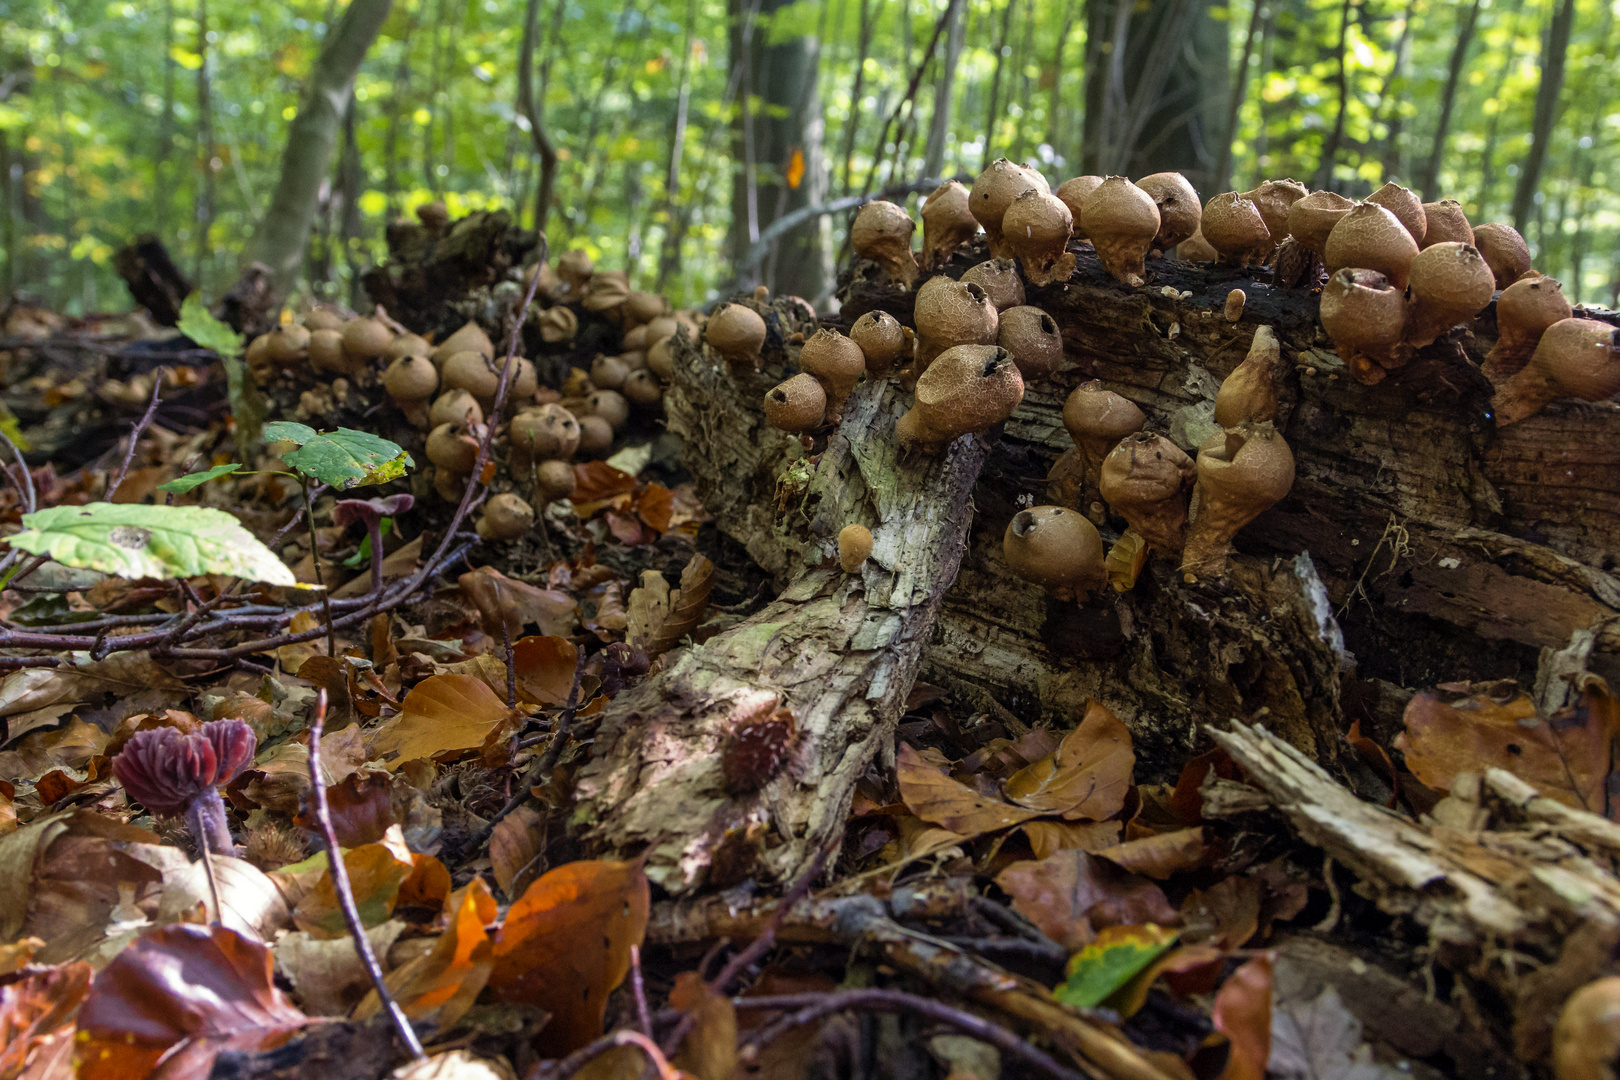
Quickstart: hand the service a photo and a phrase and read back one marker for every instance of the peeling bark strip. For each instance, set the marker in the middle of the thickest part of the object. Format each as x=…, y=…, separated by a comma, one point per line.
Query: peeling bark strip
x=839, y=650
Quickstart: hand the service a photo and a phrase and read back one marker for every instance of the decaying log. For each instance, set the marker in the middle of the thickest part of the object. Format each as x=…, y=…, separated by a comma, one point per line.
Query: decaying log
x=1518, y=893
x=432, y=268
x=153, y=279
x=840, y=651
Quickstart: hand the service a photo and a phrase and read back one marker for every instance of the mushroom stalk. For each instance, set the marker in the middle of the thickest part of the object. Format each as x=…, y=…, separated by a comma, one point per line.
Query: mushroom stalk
x=205, y=817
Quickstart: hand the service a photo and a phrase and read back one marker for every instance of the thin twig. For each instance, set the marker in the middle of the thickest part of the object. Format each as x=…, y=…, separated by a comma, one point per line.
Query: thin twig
x=547, y=761
x=315, y=561
x=135, y=435
x=639, y=987
x=511, y=668
x=345, y=895
x=576, y=1061
x=25, y=488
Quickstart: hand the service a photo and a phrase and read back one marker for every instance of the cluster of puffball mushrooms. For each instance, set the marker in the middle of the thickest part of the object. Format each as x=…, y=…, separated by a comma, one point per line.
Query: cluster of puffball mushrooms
x=447, y=390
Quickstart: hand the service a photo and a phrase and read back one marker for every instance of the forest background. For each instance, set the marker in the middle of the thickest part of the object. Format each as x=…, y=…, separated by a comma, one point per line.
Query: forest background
x=668, y=137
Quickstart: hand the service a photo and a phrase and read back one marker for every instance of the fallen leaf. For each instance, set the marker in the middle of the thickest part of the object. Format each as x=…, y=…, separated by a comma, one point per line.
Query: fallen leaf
x=687, y=606
x=427, y=885
x=513, y=845
x=456, y=1065
x=1375, y=759
x=208, y=988
x=36, y=1022
x=1321, y=1040
x=501, y=600
x=327, y=974
x=1071, y=895
x=1161, y=855
x=545, y=669
x=1187, y=800
x=443, y=714
x=1050, y=837
x=1242, y=1012
x=280, y=776
x=1086, y=777
x=252, y=904
x=937, y=798
x=597, y=480
x=1225, y=915
x=376, y=872
x=655, y=506
x=361, y=807
x=565, y=945
x=1110, y=961
x=441, y=986
x=710, y=1051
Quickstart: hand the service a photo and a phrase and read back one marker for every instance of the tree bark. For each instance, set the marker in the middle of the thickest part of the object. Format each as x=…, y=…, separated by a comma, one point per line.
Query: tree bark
x=1553, y=54
x=1330, y=147
x=939, y=123
x=278, y=242
x=205, y=207
x=1428, y=182
x=1240, y=89
x=533, y=110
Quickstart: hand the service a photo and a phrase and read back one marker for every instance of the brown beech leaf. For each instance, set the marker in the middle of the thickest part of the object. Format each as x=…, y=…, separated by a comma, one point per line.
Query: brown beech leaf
x=545, y=668
x=36, y=1022
x=442, y=715
x=1071, y=895
x=1375, y=759
x=1050, y=837
x=501, y=599
x=1225, y=915
x=1187, y=801
x=710, y=1051
x=362, y=807
x=441, y=985
x=660, y=617
x=1567, y=756
x=565, y=946
x=936, y=798
x=376, y=872
x=513, y=845
x=1242, y=1012
x=1161, y=855
x=279, y=779
x=207, y=988
x=1086, y=777
x=654, y=506
x=597, y=480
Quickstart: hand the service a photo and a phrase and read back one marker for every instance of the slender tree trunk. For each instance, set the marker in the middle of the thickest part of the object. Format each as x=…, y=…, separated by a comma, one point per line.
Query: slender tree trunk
x=1055, y=134
x=1268, y=45
x=1389, y=101
x=532, y=109
x=436, y=64
x=1555, y=50
x=205, y=145
x=852, y=126
x=278, y=242
x=993, y=114
x=939, y=124
x=8, y=224
x=1021, y=60
x=165, y=138
x=351, y=184
x=1240, y=89
x=399, y=109
x=1330, y=148
x=1466, y=21
x=1487, y=153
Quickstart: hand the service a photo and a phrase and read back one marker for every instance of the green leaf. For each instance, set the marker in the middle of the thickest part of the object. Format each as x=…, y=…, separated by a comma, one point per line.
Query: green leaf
x=248, y=407
x=182, y=484
x=208, y=332
x=287, y=431
x=1118, y=954
x=344, y=458
x=134, y=541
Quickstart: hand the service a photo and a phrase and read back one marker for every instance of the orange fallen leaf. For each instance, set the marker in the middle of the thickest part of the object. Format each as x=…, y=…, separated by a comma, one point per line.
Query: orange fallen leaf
x=443, y=714
x=935, y=797
x=1160, y=855
x=545, y=668
x=565, y=946
x=1086, y=777
x=442, y=985
x=1242, y=1012
x=513, y=845
x=36, y=1022
x=1050, y=837
x=1071, y=895
x=376, y=872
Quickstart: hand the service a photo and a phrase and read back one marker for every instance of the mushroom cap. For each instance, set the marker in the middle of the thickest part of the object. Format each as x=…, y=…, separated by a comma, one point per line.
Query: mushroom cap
x=661, y=360
x=1445, y=221
x=836, y=361
x=1073, y=192
x=796, y=405
x=1196, y=249
x=326, y=353
x=433, y=215
x=996, y=188
x=549, y=281
x=1406, y=205
x=1580, y=358
x=288, y=344
x=1145, y=467
x=882, y=233
x=641, y=307
x=472, y=372
x=656, y=330
x=854, y=547
x=1505, y=251
x=1094, y=414
x=1000, y=281
x=611, y=406
x=1273, y=199
x=575, y=268
x=408, y=345
x=1121, y=222
x=411, y=378
x=1032, y=336
x=968, y=388
x=505, y=517
x=1370, y=237
x=1586, y=1039
x=547, y=432
x=1450, y=283
x=607, y=291
x=558, y=324
x=951, y=313
x=1312, y=218
x=608, y=372
x=595, y=436
x=1055, y=547
x=1233, y=226
x=323, y=318
x=1528, y=306
x=450, y=447
x=1180, y=211
x=455, y=406
x=1362, y=312
x=735, y=332
x=642, y=388
x=164, y=769
x=882, y=340
x=366, y=339
x=947, y=222
x=470, y=338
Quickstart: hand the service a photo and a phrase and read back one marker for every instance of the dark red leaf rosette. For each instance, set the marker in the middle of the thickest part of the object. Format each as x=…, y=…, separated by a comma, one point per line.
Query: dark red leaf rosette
x=164, y=769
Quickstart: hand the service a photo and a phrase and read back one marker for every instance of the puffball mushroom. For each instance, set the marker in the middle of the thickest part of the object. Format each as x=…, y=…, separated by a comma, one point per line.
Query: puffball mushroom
x=1370, y=237
x=326, y=353
x=1000, y=281
x=323, y=318
x=411, y=382
x=1450, y=284
x=950, y=313
x=1445, y=221
x=1366, y=318
x=366, y=339
x=1073, y=192
x=611, y=406
x=1523, y=312
x=1196, y=249
x=837, y=363
x=1032, y=336
x=1056, y=548
x=541, y=434
x=797, y=405
x=595, y=436
x=408, y=345
x=967, y=389
x=1037, y=227
x=558, y=324
x=505, y=517
x=1249, y=394
x=736, y=333
x=1407, y=206
x=288, y=345
x=1180, y=211
x=1232, y=225
x=642, y=307
x=1242, y=472
x=608, y=372
x=472, y=372
x=1311, y=219
x=1273, y=199
x=1505, y=252
x=1096, y=420
x=947, y=223
x=1586, y=1039
x=455, y=407
x=642, y=389
x=1145, y=480
x=553, y=480
x=470, y=338
x=854, y=547
x=1576, y=358
x=882, y=340
x=661, y=360
x=992, y=196
x=1121, y=221
x=607, y=291
x=574, y=270
x=172, y=773
x=882, y=233
x=452, y=448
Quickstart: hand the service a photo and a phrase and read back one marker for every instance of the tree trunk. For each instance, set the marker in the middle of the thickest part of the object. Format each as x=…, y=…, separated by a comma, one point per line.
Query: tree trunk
x=852, y=126
x=1555, y=50
x=1429, y=181
x=205, y=207
x=1390, y=103
x=994, y=113
x=1240, y=89
x=1330, y=147
x=533, y=110
x=939, y=124
x=165, y=138
x=278, y=242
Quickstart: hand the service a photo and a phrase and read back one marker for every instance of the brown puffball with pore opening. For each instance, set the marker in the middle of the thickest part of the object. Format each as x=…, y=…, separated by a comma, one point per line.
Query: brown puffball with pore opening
x=1096, y=420
x=595, y=436
x=558, y=324
x=553, y=480
x=1242, y=472
x=1232, y=225
x=882, y=340
x=505, y=517
x=1000, y=281
x=411, y=382
x=1504, y=250
x=1366, y=318
x=992, y=195
x=611, y=406
x=1523, y=312
x=967, y=389
x=455, y=407
x=737, y=333
x=837, y=363
x=1249, y=394
x=323, y=318
x=1407, y=206
x=1576, y=358
x=408, y=345
x=1370, y=237
x=1032, y=336
x=541, y=434
x=366, y=339
x=1073, y=192
x=1586, y=1038
x=1311, y=219
x=1145, y=480
x=950, y=313
x=1196, y=249
x=326, y=353
x=947, y=223
x=882, y=233
x=796, y=405
x=450, y=447
x=1450, y=284
x=1180, y=210
x=608, y=372
x=288, y=345
x=854, y=547
x=471, y=371
x=1037, y=228
x=1056, y=548
x=1445, y=221
x=642, y=389
x=470, y=338
x=1274, y=199
x=1121, y=222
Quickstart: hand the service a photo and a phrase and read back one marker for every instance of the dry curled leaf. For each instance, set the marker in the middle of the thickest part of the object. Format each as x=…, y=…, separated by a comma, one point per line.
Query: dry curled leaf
x=440, y=986
x=1072, y=895
x=513, y=845
x=658, y=617
x=1242, y=1012
x=544, y=666
x=937, y=798
x=500, y=599
x=1086, y=777
x=36, y=1022
x=443, y=714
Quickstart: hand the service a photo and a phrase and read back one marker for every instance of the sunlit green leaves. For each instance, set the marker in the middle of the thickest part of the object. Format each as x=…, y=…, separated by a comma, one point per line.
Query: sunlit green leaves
x=344, y=458
x=181, y=485
x=131, y=540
